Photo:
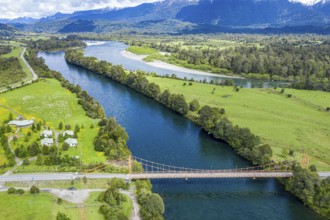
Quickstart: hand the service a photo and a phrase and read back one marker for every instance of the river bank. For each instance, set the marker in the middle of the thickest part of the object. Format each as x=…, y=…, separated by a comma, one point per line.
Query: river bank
x=168, y=66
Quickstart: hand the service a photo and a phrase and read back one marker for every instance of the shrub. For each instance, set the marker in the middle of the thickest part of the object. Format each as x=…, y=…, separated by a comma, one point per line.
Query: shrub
x=11, y=190
x=62, y=216
x=20, y=191
x=59, y=201
x=26, y=162
x=34, y=190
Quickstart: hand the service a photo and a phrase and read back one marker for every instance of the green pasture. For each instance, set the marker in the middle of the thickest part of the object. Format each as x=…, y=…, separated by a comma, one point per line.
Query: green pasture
x=300, y=123
x=48, y=101
x=41, y=206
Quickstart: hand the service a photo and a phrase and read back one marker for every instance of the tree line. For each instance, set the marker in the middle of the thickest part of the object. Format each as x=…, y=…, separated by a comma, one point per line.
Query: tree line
x=4, y=49
x=55, y=43
x=279, y=59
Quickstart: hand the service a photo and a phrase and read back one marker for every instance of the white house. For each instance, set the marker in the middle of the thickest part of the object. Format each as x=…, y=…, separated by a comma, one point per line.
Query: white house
x=47, y=142
x=46, y=133
x=68, y=132
x=72, y=142
x=21, y=123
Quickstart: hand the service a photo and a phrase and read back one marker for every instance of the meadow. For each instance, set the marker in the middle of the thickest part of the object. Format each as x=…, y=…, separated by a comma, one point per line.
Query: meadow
x=41, y=206
x=300, y=123
x=44, y=206
x=49, y=102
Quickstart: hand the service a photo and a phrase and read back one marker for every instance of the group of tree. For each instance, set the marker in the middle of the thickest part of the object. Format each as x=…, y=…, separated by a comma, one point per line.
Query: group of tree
x=278, y=58
x=5, y=49
x=11, y=71
x=114, y=200
x=313, y=191
x=55, y=43
x=111, y=139
x=151, y=204
x=243, y=141
x=4, y=145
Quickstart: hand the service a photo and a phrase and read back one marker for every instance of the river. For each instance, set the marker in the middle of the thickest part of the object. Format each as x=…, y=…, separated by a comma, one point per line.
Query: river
x=161, y=135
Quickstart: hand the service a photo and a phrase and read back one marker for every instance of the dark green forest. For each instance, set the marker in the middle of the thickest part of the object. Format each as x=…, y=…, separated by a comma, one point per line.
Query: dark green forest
x=279, y=59
x=10, y=71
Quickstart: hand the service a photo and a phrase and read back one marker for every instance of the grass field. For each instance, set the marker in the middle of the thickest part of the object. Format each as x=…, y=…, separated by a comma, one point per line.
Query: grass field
x=48, y=101
x=299, y=123
x=44, y=206
x=141, y=50
x=40, y=207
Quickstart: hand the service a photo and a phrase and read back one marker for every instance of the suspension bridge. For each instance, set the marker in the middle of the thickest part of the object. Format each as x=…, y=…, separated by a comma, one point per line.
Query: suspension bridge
x=140, y=168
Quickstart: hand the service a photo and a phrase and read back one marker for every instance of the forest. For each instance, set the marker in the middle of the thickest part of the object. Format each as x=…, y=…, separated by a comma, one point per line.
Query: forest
x=10, y=71
x=288, y=58
x=55, y=43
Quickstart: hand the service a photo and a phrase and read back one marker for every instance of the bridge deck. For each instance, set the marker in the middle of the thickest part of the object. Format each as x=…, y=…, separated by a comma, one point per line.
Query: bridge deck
x=211, y=175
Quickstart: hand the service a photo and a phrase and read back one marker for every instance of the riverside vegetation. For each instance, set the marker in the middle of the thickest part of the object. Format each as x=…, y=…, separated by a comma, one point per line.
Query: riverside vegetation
x=302, y=60
x=212, y=119
x=90, y=121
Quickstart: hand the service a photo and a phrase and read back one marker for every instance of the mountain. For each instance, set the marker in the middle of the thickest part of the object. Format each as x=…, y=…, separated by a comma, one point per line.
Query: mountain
x=7, y=30
x=196, y=16
x=255, y=13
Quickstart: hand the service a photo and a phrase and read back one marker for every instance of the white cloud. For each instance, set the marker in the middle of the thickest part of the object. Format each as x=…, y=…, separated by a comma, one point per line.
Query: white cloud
x=41, y=8
x=308, y=2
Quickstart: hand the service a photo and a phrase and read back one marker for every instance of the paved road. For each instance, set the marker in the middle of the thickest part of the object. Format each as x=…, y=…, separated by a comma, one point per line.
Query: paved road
x=34, y=75
x=70, y=176
x=57, y=176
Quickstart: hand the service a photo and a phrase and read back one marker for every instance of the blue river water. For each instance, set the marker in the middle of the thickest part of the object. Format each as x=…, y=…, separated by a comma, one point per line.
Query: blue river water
x=159, y=134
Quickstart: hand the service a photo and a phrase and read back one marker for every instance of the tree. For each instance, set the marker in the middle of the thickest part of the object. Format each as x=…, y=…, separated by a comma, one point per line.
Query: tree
x=194, y=105
x=10, y=117
x=34, y=149
x=34, y=190
x=153, y=207
x=11, y=190
x=65, y=146
x=60, y=126
x=179, y=104
x=20, y=191
x=62, y=216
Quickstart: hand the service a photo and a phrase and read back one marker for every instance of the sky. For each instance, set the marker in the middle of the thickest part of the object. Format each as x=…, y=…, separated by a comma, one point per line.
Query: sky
x=41, y=8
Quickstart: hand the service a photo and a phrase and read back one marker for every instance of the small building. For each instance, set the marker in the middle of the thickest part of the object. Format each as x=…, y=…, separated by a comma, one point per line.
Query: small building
x=68, y=133
x=46, y=133
x=47, y=142
x=21, y=123
x=72, y=142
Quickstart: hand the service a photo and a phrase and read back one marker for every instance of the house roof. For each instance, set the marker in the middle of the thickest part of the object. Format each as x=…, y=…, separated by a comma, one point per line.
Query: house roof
x=47, y=141
x=71, y=141
x=68, y=132
x=47, y=132
x=21, y=123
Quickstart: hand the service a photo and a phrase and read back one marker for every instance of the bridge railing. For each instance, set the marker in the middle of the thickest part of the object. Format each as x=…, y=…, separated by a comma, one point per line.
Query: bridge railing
x=150, y=167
